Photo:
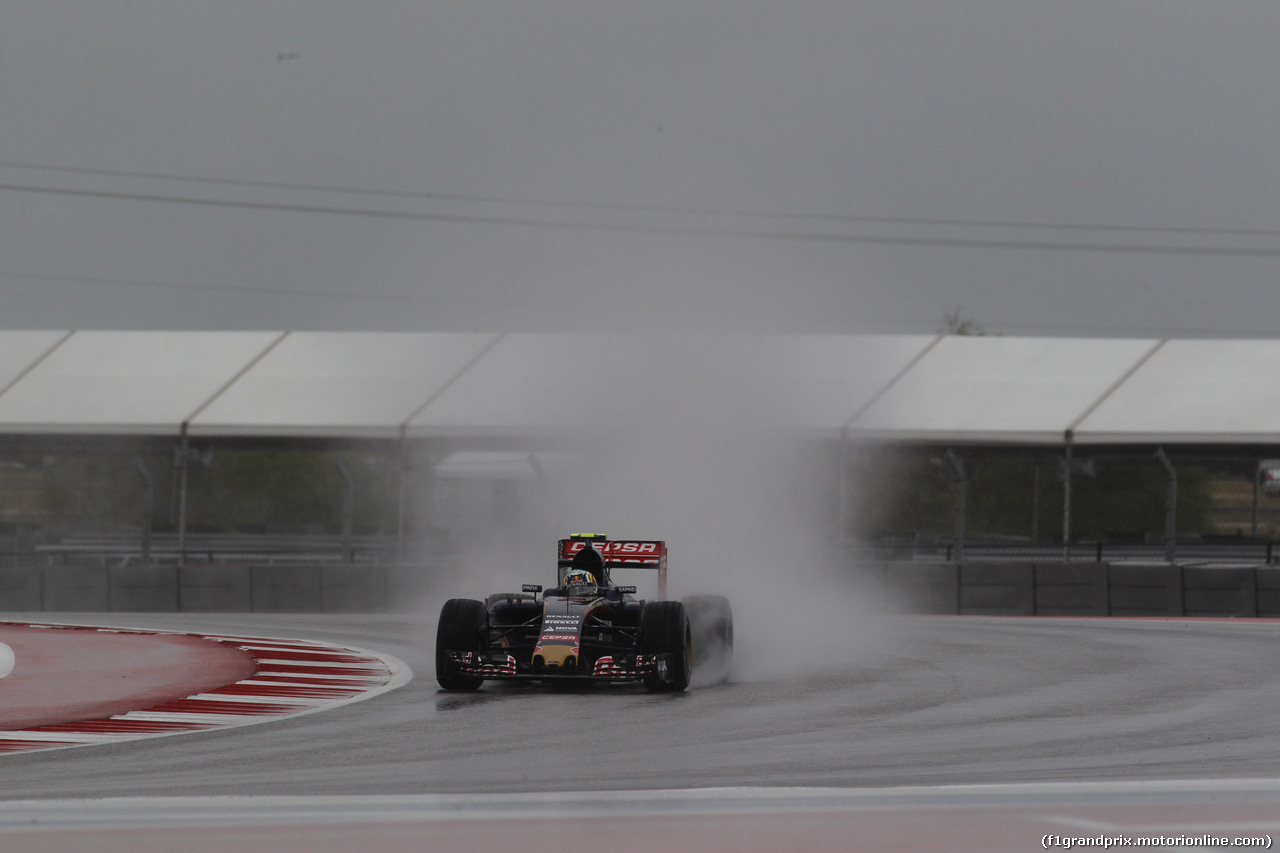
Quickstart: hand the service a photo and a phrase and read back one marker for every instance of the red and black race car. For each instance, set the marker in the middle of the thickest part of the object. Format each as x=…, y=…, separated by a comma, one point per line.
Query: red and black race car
x=586, y=628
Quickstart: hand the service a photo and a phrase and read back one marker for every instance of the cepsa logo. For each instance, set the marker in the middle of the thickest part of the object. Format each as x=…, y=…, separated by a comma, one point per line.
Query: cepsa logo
x=634, y=548
x=617, y=550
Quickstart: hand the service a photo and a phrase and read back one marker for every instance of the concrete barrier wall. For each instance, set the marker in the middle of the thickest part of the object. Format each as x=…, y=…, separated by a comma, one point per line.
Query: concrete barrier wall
x=1082, y=589
x=74, y=588
x=407, y=585
x=353, y=589
x=142, y=588
x=989, y=589
x=918, y=587
x=285, y=589
x=1219, y=591
x=1145, y=590
x=997, y=589
x=20, y=589
x=1267, y=590
x=1072, y=589
x=213, y=589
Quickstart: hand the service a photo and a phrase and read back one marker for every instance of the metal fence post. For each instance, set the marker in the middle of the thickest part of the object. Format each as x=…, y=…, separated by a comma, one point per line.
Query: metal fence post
x=962, y=484
x=148, y=506
x=348, y=509
x=1066, y=499
x=183, y=465
x=1170, y=507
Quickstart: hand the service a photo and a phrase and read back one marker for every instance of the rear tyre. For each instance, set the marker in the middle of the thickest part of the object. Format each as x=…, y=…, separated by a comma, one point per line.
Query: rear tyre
x=460, y=630
x=665, y=630
x=712, y=621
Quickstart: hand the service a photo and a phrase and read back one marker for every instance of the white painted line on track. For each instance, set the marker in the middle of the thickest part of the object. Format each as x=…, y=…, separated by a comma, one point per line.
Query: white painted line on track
x=717, y=820
x=269, y=694
x=557, y=805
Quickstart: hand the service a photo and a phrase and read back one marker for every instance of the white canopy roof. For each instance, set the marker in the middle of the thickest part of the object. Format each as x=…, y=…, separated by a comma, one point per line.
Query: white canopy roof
x=1195, y=391
x=536, y=383
x=997, y=390
x=902, y=388
x=111, y=382
x=338, y=384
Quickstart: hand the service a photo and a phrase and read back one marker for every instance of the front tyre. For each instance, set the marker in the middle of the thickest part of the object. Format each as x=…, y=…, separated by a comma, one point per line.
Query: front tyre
x=665, y=631
x=460, y=630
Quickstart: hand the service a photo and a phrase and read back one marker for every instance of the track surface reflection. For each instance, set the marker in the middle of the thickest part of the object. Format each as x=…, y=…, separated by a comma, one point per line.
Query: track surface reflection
x=943, y=701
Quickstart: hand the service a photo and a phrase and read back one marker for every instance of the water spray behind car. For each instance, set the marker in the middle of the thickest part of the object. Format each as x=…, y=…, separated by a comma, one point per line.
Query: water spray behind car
x=705, y=460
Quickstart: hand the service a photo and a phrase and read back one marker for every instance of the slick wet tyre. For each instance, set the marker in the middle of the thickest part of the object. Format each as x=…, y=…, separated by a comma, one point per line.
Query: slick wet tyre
x=665, y=630
x=460, y=629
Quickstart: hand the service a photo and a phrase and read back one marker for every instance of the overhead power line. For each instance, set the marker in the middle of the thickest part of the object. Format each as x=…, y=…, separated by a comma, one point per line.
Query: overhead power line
x=673, y=230
x=424, y=195
x=284, y=292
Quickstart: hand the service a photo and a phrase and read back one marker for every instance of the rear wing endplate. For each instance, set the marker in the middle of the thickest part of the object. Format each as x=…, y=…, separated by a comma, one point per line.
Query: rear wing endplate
x=619, y=554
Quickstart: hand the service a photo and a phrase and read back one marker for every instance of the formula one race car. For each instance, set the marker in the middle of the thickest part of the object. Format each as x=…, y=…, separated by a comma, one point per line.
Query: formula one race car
x=586, y=628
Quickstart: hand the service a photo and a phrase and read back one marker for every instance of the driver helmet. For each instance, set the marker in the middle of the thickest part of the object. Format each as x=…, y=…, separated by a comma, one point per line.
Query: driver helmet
x=589, y=559
x=579, y=582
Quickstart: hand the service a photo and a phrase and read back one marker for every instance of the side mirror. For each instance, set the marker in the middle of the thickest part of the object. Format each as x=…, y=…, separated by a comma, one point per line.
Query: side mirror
x=534, y=588
x=627, y=590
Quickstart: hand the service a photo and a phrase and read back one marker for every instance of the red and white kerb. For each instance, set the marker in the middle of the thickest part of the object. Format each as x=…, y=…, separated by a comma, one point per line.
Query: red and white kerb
x=290, y=677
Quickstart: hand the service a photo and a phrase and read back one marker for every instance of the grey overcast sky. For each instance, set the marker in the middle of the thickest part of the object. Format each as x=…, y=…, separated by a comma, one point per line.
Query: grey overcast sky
x=1042, y=167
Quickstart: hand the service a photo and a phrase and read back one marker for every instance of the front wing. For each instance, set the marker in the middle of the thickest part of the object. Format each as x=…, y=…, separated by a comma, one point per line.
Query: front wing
x=609, y=668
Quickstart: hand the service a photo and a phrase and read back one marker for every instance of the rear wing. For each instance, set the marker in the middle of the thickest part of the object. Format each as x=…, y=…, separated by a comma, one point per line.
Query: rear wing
x=619, y=554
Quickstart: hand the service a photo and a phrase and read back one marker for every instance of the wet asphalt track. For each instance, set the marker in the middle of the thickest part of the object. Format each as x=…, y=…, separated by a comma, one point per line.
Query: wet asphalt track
x=924, y=701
